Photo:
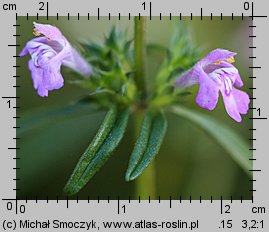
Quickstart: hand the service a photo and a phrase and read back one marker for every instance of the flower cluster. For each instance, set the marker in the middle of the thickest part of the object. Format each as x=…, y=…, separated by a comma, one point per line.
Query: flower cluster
x=214, y=73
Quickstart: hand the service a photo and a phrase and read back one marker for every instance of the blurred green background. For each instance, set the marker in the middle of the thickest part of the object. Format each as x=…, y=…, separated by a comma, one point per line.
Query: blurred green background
x=189, y=163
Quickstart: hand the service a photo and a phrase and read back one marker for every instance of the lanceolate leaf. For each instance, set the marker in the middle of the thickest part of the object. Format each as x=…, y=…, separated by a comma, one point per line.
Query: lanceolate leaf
x=149, y=141
x=226, y=137
x=99, y=151
x=141, y=144
x=94, y=146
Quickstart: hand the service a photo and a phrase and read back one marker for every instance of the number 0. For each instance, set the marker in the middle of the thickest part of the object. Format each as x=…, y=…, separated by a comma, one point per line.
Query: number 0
x=22, y=208
x=246, y=5
x=9, y=206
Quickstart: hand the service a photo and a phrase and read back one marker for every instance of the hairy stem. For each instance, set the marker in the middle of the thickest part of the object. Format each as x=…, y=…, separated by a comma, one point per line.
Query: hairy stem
x=140, y=56
x=145, y=184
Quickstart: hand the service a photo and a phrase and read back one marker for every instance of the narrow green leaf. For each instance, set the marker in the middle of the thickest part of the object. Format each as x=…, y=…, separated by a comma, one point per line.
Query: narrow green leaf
x=94, y=146
x=141, y=144
x=226, y=137
x=149, y=141
x=94, y=159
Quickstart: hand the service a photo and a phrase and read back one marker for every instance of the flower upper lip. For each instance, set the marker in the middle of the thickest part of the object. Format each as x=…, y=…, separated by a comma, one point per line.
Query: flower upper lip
x=217, y=55
x=229, y=60
x=49, y=31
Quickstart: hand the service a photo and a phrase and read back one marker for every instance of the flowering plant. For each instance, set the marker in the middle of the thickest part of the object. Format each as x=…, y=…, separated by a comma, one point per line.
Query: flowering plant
x=114, y=75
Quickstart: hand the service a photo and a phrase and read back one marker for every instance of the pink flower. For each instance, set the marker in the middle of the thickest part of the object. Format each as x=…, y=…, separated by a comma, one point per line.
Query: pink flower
x=48, y=53
x=215, y=73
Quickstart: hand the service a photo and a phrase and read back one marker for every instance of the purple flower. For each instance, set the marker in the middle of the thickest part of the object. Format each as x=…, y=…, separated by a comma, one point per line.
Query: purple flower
x=48, y=53
x=215, y=73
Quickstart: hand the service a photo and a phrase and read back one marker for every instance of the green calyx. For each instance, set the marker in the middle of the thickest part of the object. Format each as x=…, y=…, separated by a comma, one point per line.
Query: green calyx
x=120, y=63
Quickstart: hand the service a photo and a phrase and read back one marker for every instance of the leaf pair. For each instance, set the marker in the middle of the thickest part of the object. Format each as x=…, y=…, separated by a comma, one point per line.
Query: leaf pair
x=99, y=151
x=109, y=135
x=149, y=141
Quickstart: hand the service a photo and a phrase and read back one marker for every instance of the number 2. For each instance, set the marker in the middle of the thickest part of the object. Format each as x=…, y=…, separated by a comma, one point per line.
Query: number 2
x=42, y=4
x=227, y=208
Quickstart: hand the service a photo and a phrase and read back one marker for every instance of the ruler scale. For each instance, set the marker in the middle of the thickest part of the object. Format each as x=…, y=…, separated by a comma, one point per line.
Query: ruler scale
x=117, y=213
